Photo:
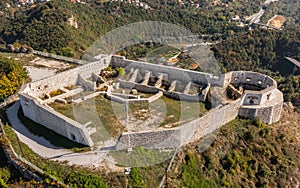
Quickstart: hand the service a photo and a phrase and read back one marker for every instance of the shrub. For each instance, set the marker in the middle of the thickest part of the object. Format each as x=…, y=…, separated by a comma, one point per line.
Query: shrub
x=4, y=176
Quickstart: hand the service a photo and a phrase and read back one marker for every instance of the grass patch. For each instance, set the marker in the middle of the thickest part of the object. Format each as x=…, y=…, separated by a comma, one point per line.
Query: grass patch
x=141, y=156
x=178, y=112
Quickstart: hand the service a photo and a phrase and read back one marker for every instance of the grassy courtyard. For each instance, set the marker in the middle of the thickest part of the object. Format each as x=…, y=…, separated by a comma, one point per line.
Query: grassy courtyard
x=111, y=115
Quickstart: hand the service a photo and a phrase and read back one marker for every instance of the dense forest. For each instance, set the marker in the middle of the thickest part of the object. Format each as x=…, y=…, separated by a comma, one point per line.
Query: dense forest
x=44, y=27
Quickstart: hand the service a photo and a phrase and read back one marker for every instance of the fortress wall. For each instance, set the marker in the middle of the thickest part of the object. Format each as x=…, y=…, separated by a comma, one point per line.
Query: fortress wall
x=267, y=112
x=211, y=121
x=268, y=94
x=184, y=97
x=277, y=112
x=252, y=78
x=173, y=72
x=150, y=139
x=58, y=57
x=264, y=114
x=86, y=84
x=54, y=120
x=65, y=78
x=163, y=138
x=146, y=88
x=41, y=87
x=152, y=89
x=178, y=136
x=247, y=112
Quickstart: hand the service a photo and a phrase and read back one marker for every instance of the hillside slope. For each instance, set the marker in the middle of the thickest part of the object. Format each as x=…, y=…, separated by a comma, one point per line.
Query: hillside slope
x=245, y=154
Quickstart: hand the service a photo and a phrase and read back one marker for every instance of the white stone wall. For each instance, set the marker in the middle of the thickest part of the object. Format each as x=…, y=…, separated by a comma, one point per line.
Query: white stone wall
x=55, y=121
x=252, y=78
x=67, y=78
x=178, y=136
x=173, y=72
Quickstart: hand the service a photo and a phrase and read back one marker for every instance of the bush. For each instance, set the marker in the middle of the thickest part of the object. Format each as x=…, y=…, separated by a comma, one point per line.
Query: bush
x=121, y=72
x=4, y=177
x=12, y=76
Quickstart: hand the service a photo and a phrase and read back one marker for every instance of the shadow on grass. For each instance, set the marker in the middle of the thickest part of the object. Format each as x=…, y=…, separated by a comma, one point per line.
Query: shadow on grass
x=53, y=137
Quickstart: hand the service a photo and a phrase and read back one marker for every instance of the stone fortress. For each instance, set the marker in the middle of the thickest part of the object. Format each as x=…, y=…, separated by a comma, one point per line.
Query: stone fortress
x=255, y=95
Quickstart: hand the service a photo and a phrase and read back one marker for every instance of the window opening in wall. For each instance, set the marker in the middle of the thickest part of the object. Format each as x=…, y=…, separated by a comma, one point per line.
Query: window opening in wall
x=268, y=96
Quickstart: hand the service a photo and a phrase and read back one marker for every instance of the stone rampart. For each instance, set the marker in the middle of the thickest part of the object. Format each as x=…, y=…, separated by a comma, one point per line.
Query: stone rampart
x=66, y=78
x=150, y=139
x=55, y=121
x=184, y=134
x=86, y=84
x=251, y=78
x=173, y=72
x=153, y=89
x=60, y=58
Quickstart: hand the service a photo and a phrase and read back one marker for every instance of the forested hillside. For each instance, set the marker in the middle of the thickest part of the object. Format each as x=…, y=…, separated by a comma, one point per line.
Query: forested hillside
x=45, y=26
